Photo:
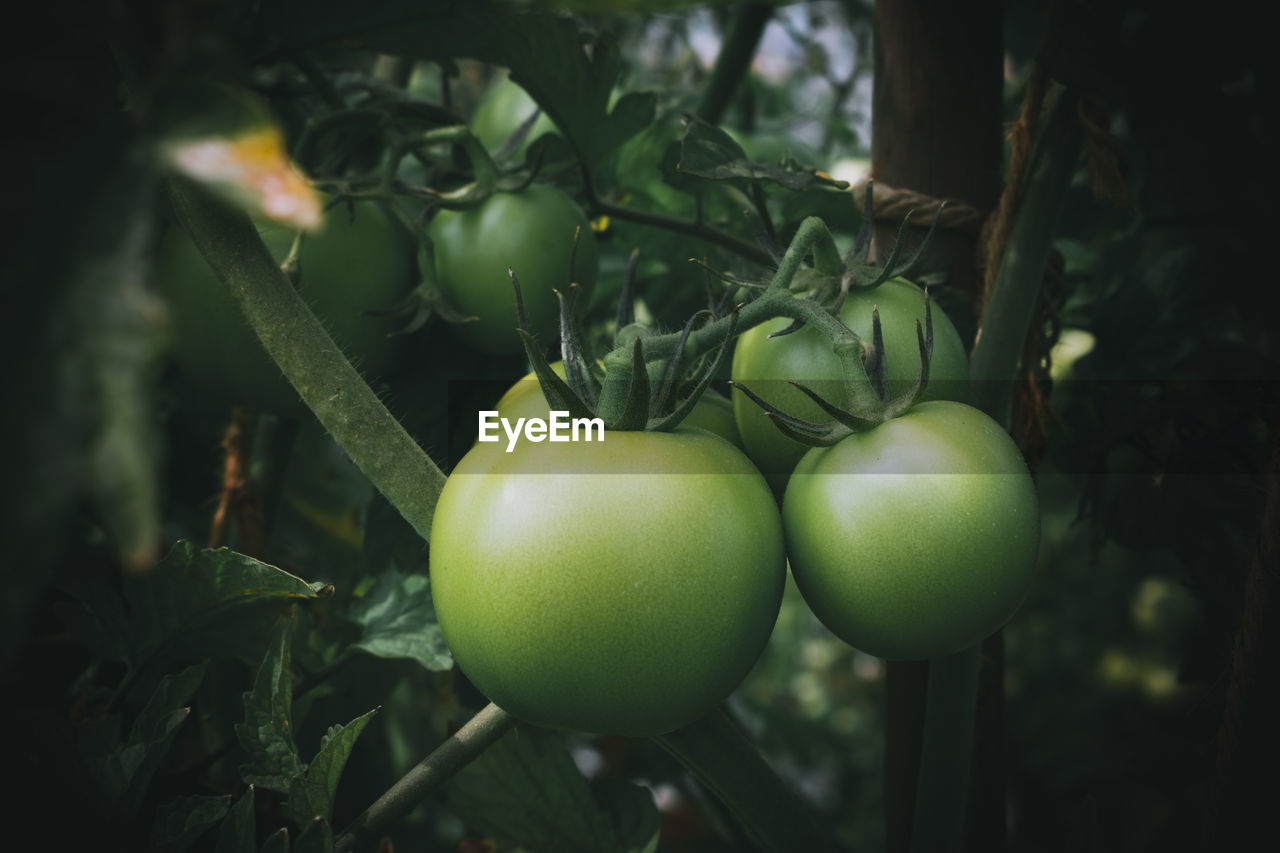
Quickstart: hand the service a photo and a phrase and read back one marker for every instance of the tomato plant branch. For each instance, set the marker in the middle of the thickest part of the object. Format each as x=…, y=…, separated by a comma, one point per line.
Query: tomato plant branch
x=944, y=759
x=952, y=696
x=734, y=60
x=721, y=756
x=697, y=230
x=308, y=357
x=460, y=749
x=1014, y=292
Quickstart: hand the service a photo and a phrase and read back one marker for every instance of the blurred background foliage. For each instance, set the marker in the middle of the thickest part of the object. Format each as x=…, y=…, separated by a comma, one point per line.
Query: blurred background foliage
x=1151, y=483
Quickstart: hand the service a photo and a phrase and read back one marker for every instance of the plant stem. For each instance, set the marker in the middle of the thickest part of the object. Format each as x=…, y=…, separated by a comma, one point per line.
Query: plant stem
x=734, y=60
x=308, y=357
x=740, y=247
x=721, y=756
x=463, y=747
x=945, y=755
x=1012, y=303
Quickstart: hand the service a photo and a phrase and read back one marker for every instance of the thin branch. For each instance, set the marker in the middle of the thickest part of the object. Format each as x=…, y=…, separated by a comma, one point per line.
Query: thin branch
x=464, y=746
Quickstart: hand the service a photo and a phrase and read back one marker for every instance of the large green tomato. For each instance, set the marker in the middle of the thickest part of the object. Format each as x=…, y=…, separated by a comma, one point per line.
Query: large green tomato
x=623, y=586
x=352, y=266
x=767, y=366
x=916, y=538
x=531, y=232
x=524, y=399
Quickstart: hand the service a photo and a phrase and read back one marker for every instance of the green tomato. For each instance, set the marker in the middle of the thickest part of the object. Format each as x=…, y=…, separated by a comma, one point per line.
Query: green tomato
x=532, y=232
x=713, y=412
x=916, y=538
x=767, y=366
x=352, y=266
x=623, y=586
x=503, y=107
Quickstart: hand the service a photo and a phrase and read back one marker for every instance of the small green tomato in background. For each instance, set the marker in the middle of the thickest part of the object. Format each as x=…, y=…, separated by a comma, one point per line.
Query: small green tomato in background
x=916, y=538
x=767, y=366
x=532, y=232
x=623, y=586
x=503, y=107
x=356, y=263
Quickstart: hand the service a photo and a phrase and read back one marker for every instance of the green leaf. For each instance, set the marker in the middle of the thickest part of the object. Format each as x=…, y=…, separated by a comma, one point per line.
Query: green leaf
x=708, y=152
x=525, y=790
x=204, y=602
x=124, y=767
x=179, y=822
x=317, y=837
x=239, y=831
x=569, y=72
x=399, y=621
x=266, y=733
x=153, y=731
x=311, y=794
x=277, y=842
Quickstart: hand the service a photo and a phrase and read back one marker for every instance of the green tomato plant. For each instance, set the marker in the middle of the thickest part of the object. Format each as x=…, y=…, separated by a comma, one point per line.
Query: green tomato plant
x=624, y=586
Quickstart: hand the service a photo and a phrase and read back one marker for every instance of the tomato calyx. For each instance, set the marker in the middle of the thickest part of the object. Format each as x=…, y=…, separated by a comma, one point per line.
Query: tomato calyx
x=856, y=418
x=629, y=393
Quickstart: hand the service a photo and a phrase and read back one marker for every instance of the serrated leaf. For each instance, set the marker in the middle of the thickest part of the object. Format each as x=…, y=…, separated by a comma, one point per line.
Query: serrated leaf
x=525, y=790
x=124, y=767
x=277, y=842
x=311, y=794
x=152, y=732
x=205, y=602
x=708, y=152
x=266, y=733
x=398, y=620
x=179, y=822
x=317, y=837
x=239, y=831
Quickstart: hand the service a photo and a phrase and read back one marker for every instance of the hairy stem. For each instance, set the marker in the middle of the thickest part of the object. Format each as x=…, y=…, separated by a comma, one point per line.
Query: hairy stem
x=308, y=357
x=464, y=746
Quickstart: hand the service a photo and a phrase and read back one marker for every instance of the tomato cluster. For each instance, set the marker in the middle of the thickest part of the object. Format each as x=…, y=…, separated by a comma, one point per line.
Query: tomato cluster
x=627, y=586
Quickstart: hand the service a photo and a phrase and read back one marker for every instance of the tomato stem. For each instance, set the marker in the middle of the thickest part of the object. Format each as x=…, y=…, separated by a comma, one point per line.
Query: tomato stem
x=1014, y=292
x=942, y=789
x=293, y=337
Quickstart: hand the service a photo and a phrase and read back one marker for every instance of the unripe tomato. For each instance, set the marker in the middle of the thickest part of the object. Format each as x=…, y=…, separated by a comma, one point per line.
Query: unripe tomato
x=352, y=266
x=503, y=107
x=916, y=538
x=624, y=586
x=767, y=366
x=532, y=232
